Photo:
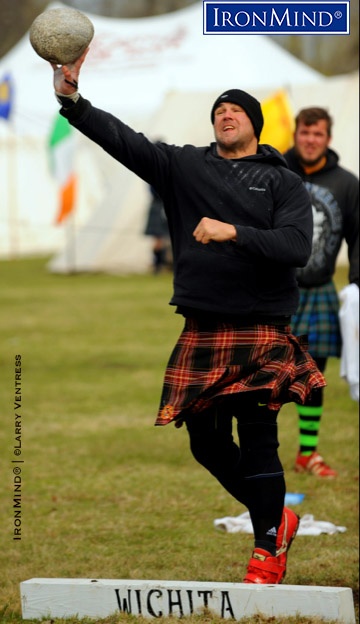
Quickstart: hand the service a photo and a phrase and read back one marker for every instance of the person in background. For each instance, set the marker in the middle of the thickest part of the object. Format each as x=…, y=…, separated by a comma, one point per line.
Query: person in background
x=157, y=227
x=240, y=223
x=335, y=203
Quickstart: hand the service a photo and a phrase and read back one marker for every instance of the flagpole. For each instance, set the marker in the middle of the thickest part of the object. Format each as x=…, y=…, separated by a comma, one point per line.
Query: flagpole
x=12, y=195
x=70, y=244
x=6, y=105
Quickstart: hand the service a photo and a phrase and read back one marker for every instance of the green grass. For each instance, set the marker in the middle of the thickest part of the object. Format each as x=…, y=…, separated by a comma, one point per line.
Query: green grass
x=105, y=494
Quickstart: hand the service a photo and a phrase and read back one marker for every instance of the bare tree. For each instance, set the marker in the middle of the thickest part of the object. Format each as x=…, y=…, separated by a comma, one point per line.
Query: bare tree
x=330, y=54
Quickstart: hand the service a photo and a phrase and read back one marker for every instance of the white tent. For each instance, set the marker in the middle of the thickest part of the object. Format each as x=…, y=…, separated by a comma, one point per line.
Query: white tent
x=159, y=74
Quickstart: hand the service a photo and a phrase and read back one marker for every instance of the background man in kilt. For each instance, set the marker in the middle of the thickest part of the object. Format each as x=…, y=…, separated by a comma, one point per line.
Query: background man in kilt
x=240, y=223
x=335, y=202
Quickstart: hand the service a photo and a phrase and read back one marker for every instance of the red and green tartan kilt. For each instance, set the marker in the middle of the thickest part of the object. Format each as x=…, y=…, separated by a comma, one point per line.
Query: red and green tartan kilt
x=317, y=316
x=218, y=359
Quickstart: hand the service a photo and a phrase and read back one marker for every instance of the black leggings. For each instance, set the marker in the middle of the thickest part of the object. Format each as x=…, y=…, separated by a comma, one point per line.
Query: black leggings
x=251, y=471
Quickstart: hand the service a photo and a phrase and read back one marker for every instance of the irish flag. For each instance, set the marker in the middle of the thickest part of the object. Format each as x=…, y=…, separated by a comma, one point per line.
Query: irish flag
x=278, y=121
x=62, y=149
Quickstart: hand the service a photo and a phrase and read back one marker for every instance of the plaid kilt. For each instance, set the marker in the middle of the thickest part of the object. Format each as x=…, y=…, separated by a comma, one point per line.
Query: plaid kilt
x=317, y=317
x=211, y=360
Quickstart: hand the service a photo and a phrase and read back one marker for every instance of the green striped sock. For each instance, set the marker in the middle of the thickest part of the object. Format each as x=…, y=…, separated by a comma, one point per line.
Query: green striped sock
x=309, y=425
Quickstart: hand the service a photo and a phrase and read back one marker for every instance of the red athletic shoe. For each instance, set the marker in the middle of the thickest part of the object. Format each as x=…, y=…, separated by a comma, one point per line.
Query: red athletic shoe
x=286, y=533
x=264, y=568
x=314, y=464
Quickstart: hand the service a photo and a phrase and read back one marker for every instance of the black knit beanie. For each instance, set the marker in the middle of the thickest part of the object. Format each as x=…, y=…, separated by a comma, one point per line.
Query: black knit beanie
x=250, y=105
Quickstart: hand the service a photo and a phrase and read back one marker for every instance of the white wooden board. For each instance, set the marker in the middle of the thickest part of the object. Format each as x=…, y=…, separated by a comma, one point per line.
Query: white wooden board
x=61, y=598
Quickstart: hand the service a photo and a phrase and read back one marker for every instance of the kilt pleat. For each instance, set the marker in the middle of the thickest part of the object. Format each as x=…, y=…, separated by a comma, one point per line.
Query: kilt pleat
x=318, y=317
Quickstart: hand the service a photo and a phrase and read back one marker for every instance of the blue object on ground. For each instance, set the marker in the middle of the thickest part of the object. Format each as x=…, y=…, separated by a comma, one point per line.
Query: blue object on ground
x=292, y=498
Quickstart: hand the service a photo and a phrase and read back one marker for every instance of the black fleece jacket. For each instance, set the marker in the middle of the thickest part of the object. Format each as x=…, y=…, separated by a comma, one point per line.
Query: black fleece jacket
x=334, y=195
x=267, y=203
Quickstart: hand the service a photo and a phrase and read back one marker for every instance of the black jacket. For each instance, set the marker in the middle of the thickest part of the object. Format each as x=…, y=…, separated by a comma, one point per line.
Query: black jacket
x=335, y=200
x=267, y=203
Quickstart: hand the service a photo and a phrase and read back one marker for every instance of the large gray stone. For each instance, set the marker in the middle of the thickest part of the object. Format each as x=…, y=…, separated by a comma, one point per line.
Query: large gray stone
x=61, y=35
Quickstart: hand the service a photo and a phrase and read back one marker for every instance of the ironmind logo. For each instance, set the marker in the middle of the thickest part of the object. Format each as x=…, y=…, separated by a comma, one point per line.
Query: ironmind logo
x=272, y=18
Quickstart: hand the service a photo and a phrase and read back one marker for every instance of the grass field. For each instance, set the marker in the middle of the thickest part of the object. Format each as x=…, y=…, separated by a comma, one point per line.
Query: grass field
x=105, y=494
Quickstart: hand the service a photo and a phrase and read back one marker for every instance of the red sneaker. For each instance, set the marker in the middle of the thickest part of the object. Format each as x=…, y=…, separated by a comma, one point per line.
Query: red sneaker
x=314, y=464
x=263, y=568
x=286, y=533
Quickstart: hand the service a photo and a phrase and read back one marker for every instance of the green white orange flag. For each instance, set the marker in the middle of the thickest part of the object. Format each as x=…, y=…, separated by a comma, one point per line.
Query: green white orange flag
x=62, y=150
x=278, y=121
